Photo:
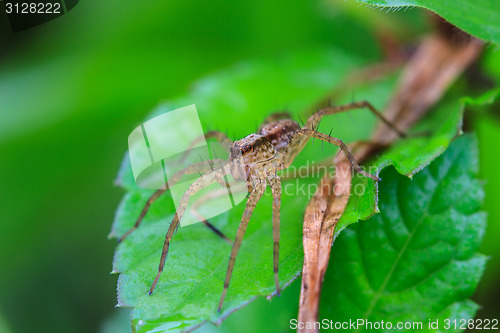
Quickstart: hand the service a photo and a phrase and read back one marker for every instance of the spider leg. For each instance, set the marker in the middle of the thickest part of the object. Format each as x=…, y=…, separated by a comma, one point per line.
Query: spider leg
x=321, y=167
x=211, y=195
x=199, y=184
x=175, y=178
x=259, y=187
x=144, y=211
x=211, y=226
x=299, y=139
x=275, y=184
x=316, y=117
x=219, y=136
x=341, y=145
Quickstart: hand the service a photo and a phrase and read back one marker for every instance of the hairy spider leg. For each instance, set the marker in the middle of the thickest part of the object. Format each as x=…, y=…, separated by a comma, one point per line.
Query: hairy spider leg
x=341, y=145
x=300, y=139
x=212, y=195
x=202, y=182
x=194, y=168
x=259, y=186
x=316, y=117
x=219, y=136
x=327, y=162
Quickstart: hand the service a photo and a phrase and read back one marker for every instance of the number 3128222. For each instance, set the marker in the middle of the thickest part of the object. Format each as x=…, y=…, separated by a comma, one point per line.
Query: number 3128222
x=478, y=324
x=33, y=8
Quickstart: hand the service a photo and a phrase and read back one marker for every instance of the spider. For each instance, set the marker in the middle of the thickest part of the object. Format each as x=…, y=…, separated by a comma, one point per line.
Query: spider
x=255, y=160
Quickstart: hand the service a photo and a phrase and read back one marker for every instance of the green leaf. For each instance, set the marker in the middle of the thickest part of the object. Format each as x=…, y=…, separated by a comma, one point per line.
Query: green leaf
x=416, y=260
x=477, y=17
x=189, y=289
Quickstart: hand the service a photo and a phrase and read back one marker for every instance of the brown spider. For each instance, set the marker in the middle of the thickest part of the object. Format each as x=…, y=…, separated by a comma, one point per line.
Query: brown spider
x=256, y=159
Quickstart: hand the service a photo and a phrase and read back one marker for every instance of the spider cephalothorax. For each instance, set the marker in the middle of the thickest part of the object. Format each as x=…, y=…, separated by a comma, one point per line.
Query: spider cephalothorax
x=257, y=150
x=251, y=154
x=252, y=149
x=256, y=159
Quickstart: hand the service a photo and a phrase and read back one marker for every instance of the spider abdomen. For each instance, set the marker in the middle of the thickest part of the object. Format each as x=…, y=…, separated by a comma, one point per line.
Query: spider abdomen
x=280, y=132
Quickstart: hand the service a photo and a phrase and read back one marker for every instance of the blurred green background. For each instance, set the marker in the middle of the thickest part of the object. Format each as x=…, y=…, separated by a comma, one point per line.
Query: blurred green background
x=71, y=90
